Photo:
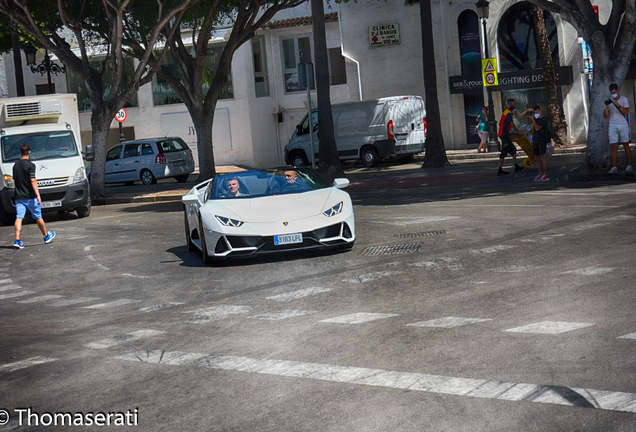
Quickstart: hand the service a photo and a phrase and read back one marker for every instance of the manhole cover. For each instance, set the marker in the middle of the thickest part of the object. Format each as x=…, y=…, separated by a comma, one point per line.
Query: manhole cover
x=421, y=234
x=392, y=249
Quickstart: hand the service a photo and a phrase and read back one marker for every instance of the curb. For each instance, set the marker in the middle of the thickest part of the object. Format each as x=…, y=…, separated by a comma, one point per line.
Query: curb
x=600, y=177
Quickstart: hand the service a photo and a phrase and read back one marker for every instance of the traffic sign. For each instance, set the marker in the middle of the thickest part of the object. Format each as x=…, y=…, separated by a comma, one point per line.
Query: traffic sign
x=489, y=72
x=121, y=116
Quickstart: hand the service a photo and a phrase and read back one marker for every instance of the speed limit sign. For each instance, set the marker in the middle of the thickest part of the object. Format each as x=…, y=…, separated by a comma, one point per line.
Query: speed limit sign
x=121, y=116
x=490, y=78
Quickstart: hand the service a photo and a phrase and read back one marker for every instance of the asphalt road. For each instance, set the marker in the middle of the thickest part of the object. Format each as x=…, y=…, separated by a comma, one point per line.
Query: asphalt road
x=487, y=304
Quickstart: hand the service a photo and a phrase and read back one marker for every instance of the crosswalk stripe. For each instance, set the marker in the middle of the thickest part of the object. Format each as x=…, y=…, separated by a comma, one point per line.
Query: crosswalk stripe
x=4, y=281
x=117, y=340
x=73, y=301
x=628, y=336
x=10, y=367
x=215, y=313
x=370, y=276
x=284, y=314
x=487, y=389
x=358, y=318
x=18, y=294
x=448, y=322
x=294, y=295
x=549, y=327
x=40, y=298
x=111, y=304
x=9, y=287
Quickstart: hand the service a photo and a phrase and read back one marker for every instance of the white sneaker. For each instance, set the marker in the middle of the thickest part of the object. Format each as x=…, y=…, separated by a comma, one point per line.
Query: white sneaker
x=544, y=178
x=537, y=178
x=613, y=171
x=629, y=169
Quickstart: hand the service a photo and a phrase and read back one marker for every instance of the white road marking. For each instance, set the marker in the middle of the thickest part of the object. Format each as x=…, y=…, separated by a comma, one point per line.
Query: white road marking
x=586, y=194
x=215, y=313
x=583, y=227
x=621, y=217
x=10, y=367
x=284, y=314
x=518, y=392
x=294, y=295
x=442, y=263
x=448, y=322
x=590, y=271
x=370, y=276
x=358, y=318
x=103, y=267
x=514, y=269
x=135, y=276
x=40, y=298
x=73, y=301
x=159, y=306
x=492, y=249
x=18, y=294
x=628, y=336
x=117, y=340
x=4, y=281
x=112, y=304
x=542, y=238
x=10, y=287
x=549, y=327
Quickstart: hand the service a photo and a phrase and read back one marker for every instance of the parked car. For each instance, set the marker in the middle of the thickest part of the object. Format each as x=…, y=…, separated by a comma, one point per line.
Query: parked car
x=367, y=130
x=267, y=211
x=148, y=160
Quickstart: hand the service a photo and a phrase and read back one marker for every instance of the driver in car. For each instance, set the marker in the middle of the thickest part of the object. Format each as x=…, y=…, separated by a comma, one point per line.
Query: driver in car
x=232, y=186
x=292, y=181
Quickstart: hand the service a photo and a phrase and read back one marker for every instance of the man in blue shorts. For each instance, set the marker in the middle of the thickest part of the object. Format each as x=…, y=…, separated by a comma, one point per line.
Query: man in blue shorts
x=617, y=110
x=27, y=196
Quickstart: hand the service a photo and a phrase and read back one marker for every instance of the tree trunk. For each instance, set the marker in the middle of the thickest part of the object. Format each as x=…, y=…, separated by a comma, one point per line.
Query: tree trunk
x=101, y=128
x=203, y=127
x=435, y=156
x=598, y=148
x=330, y=166
x=555, y=106
x=17, y=62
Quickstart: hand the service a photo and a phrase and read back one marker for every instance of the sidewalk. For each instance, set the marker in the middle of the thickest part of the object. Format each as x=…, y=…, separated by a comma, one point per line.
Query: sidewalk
x=382, y=177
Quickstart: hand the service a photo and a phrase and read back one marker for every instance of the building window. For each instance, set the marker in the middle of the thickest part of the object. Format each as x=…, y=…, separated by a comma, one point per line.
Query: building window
x=163, y=94
x=517, y=39
x=337, y=68
x=77, y=85
x=295, y=50
x=261, y=81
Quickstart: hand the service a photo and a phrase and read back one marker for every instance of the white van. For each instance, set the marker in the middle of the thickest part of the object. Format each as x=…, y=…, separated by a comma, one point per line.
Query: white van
x=50, y=125
x=367, y=130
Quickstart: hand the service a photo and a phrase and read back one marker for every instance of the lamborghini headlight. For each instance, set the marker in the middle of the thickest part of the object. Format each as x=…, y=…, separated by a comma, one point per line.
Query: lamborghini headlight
x=8, y=180
x=80, y=175
x=334, y=210
x=229, y=222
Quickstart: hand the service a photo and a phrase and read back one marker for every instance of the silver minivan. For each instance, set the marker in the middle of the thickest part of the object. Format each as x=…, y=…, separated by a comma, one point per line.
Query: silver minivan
x=366, y=130
x=148, y=160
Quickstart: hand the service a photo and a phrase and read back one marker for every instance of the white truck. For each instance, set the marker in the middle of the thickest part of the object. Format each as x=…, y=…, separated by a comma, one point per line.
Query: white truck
x=50, y=125
x=367, y=130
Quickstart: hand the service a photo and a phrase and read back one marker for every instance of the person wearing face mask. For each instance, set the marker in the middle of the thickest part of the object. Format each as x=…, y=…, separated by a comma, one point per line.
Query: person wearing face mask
x=540, y=139
x=482, y=129
x=617, y=110
x=507, y=147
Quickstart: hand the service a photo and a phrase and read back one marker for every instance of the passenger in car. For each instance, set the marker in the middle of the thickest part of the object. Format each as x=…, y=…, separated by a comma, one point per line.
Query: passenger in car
x=232, y=186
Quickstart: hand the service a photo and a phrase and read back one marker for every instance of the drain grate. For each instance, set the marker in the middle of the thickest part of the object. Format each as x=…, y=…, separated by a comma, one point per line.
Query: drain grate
x=392, y=249
x=421, y=234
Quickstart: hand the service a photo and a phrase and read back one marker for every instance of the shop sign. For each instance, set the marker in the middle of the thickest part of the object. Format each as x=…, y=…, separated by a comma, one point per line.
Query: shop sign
x=382, y=35
x=524, y=79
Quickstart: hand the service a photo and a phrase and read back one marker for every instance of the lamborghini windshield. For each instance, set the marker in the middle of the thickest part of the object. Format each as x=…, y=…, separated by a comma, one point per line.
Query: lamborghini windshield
x=274, y=181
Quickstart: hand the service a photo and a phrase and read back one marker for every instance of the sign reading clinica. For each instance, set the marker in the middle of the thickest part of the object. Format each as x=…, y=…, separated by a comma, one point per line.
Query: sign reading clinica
x=382, y=35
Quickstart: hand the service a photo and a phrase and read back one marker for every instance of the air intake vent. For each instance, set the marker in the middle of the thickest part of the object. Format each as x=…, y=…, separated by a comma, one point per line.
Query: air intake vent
x=23, y=110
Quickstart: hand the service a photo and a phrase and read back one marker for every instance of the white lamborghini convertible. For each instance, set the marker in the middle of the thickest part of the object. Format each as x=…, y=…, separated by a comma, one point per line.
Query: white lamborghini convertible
x=266, y=211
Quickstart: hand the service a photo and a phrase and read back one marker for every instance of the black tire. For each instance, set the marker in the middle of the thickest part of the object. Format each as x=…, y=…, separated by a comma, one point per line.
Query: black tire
x=204, y=247
x=129, y=183
x=182, y=178
x=147, y=177
x=298, y=158
x=84, y=211
x=369, y=157
x=6, y=219
x=191, y=245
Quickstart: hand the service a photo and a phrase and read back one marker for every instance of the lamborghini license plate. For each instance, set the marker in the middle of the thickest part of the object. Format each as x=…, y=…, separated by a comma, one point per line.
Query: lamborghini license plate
x=288, y=239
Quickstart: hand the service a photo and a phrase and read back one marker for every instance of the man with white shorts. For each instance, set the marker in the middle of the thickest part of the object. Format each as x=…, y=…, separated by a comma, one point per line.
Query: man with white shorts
x=617, y=110
x=27, y=196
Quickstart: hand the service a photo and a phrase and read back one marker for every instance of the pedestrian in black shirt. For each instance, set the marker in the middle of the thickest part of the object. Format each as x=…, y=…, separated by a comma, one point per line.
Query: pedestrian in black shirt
x=27, y=196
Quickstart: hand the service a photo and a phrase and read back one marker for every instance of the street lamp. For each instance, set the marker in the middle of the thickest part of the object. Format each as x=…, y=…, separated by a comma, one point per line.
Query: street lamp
x=46, y=67
x=483, y=7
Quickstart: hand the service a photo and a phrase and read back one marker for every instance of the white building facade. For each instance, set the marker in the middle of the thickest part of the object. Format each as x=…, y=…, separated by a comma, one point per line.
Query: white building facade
x=375, y=50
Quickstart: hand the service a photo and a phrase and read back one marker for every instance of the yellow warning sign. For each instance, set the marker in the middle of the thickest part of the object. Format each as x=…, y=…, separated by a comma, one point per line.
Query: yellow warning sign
x=489, y=72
